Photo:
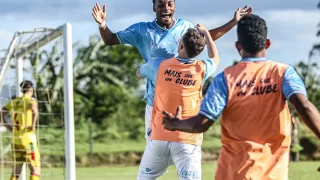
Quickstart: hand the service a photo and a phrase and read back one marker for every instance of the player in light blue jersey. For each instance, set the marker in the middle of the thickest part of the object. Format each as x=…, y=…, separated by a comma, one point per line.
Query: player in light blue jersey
x=158, y=38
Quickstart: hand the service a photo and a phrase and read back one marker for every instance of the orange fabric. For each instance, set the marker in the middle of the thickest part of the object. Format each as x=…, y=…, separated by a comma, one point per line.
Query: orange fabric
x=177, y=84
x=256, y=124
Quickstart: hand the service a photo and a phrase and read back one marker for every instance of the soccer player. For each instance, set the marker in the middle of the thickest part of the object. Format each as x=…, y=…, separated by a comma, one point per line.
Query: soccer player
x=24, y=114
x=252, y=98
x=177, y=81
x=157, y=39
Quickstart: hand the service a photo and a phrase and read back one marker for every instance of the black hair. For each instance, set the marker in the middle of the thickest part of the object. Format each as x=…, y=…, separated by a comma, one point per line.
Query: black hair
x=252, y=33
x=154, y=1
x=193, y=42
x=25, y=86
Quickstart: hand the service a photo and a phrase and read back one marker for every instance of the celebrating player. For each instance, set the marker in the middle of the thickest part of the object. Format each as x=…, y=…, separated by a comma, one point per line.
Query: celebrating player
x=157, y=39
x=252, y=98
x=177, y=81
x=24, y=113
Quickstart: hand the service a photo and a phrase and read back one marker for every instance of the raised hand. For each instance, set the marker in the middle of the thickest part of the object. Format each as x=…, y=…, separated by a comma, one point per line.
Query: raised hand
x=201, y=28
x=99, y=14
x=242, y=12
x=169, y=119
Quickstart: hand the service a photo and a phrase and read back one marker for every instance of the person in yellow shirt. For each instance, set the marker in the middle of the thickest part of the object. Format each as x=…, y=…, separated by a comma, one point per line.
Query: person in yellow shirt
x=24, y=114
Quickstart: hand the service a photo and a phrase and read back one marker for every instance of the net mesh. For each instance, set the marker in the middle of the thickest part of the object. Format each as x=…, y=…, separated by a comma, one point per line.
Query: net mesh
x=43, y=65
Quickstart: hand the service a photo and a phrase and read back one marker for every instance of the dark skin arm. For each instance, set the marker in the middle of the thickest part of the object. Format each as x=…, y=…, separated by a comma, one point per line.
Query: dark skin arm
x=220, y=31
x=307, y=112
x=195, y=124
x=100, y=15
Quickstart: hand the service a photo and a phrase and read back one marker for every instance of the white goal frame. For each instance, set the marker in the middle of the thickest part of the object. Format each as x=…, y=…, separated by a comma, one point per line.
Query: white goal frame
x=65, y=31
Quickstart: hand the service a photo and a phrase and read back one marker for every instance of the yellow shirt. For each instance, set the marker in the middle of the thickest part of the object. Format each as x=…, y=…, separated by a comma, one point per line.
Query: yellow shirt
x=21, y=114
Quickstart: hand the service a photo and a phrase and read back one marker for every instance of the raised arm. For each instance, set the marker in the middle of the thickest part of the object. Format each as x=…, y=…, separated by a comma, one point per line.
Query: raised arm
x=307, y=112
x=212, y=49
x=99, y=15
x=220, y=31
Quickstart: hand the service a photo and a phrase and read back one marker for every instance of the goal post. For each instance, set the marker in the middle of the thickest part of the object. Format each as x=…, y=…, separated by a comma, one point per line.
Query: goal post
x=19, y=51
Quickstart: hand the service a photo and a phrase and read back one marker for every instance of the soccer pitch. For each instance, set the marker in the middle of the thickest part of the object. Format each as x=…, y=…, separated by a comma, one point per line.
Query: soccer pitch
x=298, y=171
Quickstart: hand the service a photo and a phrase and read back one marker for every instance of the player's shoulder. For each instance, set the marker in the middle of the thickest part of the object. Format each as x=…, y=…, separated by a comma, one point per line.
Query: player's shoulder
x=184, y=22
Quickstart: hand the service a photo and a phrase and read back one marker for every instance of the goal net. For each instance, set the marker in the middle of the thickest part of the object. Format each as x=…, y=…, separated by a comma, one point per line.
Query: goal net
x=43, y=56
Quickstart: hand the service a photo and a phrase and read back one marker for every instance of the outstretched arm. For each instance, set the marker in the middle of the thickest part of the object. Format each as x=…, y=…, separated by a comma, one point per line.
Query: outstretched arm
x=220, y=31
x=307, y=112
x=99, y=15
x=195, y=124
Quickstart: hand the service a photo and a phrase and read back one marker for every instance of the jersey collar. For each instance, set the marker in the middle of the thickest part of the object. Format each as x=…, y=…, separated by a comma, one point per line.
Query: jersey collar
x=186, y=60
x=163, y=28
x=253, y=59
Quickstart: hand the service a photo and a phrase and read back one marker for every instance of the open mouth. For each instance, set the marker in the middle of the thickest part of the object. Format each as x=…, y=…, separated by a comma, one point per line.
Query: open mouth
x=166, y=16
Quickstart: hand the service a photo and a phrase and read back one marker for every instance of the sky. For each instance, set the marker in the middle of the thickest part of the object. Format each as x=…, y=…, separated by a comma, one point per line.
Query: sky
x=292, y=24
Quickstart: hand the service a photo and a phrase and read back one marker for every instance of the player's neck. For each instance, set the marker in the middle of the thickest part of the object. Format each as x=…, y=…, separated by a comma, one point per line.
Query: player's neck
x=27, y=94
x=166, y=26
x=261, y=54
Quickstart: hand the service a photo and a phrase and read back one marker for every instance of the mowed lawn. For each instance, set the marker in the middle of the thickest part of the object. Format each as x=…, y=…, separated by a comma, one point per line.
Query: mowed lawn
x=298, y=171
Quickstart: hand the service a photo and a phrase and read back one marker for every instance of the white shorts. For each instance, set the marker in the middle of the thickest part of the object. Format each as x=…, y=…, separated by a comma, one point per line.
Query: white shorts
x=147, y=118
x=158, y=155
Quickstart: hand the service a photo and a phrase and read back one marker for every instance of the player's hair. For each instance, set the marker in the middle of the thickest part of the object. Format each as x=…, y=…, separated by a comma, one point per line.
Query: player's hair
x=252, y=33
x=193, y=42
x=154, y=1
x=25, y=86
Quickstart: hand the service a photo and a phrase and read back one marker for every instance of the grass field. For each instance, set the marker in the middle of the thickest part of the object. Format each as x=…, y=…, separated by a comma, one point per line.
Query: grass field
x=298, y=171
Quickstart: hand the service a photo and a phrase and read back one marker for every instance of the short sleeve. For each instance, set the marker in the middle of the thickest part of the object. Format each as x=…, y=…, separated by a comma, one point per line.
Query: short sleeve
x=131, y=35
x=216, y=98
x=292, y=83
x=210, y=68
x=8, y=107
x=149, y=70
x=33, y=101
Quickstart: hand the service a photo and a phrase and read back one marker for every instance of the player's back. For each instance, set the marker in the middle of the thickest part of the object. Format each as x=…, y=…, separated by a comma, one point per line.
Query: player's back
x=255, y=125
x=177, y=85
x=21, y=113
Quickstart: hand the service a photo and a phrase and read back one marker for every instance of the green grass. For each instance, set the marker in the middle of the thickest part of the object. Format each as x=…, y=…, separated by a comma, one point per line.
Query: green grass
x=298, y=171
x=114, y=147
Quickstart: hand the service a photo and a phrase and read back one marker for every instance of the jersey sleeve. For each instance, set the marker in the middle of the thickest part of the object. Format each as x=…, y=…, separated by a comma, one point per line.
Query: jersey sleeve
x=149, y=70
x=131, y=35
x=210, y=68
x=8, y=107
x=216, y=98
x=292, y=83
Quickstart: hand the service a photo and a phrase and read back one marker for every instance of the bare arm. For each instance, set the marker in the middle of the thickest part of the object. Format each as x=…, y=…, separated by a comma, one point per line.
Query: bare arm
x=108, y=37
x=35, y=114
x=195, y=124
x=220, y=31
x=4, y=113
x=307, y=112
x=212, y=49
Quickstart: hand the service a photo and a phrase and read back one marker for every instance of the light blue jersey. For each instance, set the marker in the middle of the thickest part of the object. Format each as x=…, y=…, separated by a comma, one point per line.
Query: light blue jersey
x=216, y=98
x=149, y=70
x=153, y=41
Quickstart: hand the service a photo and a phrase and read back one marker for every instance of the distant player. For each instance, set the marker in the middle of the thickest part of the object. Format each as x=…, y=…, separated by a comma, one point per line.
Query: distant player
x=24, y=114
x=252, y=98
x=157, y=39
x=177, y=81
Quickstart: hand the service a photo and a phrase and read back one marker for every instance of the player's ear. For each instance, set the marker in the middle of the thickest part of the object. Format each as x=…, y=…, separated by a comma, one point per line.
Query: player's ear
x=238, y=47
x=268, y=43
x=154, y=6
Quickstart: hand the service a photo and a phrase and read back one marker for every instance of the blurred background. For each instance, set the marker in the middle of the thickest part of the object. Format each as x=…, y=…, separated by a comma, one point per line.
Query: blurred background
x=109, y=110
